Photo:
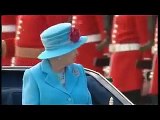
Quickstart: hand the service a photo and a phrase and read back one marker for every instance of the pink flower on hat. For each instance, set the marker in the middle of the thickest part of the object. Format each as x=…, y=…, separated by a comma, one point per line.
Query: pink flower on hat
x=74, y=35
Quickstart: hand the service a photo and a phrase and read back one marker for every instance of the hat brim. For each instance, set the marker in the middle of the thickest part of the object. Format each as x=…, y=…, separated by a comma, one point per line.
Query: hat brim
x=47, y=54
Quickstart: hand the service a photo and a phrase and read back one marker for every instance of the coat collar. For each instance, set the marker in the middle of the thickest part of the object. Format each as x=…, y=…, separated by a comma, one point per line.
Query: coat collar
x=71, y=76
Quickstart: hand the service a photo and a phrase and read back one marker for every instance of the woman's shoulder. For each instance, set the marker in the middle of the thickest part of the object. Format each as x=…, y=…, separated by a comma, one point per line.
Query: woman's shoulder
x=78, y=70
x=35, y=68
x=77, y=65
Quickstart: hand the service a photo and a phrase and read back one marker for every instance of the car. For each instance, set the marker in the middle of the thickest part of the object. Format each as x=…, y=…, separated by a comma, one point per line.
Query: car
x=103, y=92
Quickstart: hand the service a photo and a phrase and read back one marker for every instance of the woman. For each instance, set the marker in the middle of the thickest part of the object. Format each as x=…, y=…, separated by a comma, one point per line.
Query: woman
x=57, y=80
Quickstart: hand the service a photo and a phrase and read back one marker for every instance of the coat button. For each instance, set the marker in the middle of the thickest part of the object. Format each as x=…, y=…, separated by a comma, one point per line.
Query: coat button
x=19, y=26
x=69, y=99
x=17, y=37
x=20, y=21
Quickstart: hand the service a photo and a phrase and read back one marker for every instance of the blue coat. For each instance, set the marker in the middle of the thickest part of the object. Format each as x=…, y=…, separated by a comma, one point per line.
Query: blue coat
x=41, y=86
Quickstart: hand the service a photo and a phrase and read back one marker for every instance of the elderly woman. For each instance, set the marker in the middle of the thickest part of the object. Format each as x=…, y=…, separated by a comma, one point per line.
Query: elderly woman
x=57, y=80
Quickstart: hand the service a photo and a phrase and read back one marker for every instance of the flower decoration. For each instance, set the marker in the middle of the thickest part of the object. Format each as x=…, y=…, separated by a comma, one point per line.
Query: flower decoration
x=74, y=35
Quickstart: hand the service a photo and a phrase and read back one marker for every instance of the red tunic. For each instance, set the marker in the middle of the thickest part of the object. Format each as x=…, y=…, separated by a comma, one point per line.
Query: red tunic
x=93, y=27
x=28, y=42
x=128, y=29
x=8, y=35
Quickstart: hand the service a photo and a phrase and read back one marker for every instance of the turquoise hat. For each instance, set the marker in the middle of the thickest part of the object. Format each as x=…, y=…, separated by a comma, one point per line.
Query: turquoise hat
x=59, y=40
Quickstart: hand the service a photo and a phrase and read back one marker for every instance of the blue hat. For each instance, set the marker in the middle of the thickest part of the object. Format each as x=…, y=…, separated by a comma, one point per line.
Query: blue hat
x=57, y=41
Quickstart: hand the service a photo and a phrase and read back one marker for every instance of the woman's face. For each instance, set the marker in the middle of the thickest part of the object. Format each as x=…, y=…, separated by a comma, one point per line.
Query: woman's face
x=66, y=59
x=70, y=57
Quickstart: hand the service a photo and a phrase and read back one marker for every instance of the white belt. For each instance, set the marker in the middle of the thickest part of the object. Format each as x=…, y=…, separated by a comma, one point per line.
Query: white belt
x=8, y=28
x=123, y=47
x=93, y=38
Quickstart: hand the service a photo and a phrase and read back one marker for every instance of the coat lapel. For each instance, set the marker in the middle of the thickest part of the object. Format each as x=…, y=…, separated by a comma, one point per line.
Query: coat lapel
x=51, y=77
